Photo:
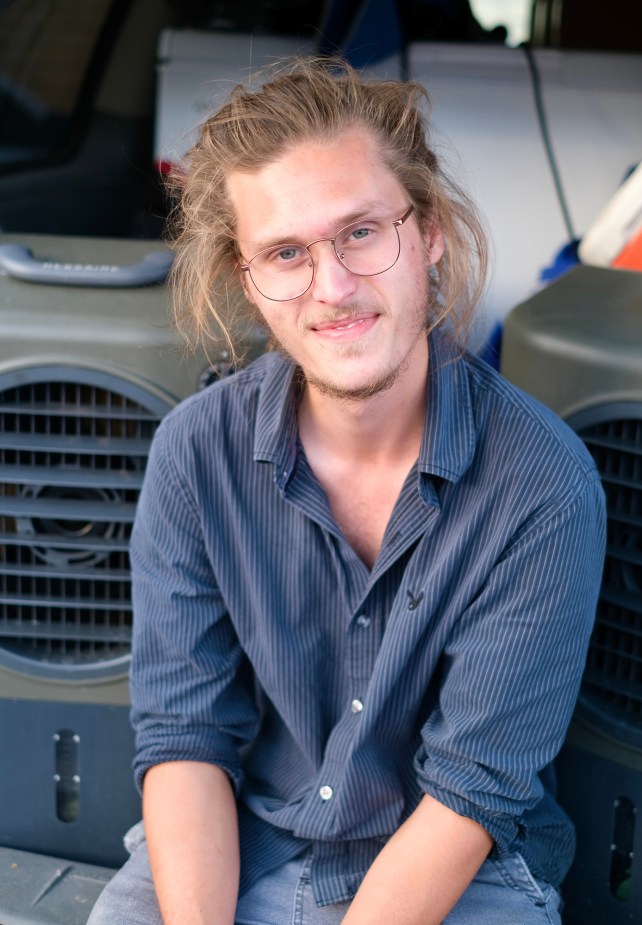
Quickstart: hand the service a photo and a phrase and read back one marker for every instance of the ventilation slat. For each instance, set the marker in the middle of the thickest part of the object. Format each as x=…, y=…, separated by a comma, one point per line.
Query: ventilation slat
x=628, y=518
x=619, y=481
x=624, y=554
x=622, y=445
x=76, y=412
x=73, y=449
x=615, y=686
x=62, y=510
x=10, y=629
x=74, y=604
x=621, y=661
x=78, y=573
x=623, y=630
x=39, y=541
x=66, y=444
x=629, y=600
x=71, y=477
x=611, y=694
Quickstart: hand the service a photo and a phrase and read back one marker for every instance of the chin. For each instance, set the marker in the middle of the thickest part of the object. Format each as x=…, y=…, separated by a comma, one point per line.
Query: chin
x=357, y=391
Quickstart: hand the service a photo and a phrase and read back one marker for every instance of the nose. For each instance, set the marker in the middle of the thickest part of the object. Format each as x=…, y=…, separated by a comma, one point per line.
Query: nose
x=333, y=282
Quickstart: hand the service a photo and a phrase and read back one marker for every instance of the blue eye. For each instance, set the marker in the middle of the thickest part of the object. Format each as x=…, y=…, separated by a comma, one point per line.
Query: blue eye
x=277, y=257
x=361, y=233
x=287, y=253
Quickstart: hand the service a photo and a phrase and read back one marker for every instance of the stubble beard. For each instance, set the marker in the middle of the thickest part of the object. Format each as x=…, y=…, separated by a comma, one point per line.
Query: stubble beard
x=418, y=318
x=358, y=393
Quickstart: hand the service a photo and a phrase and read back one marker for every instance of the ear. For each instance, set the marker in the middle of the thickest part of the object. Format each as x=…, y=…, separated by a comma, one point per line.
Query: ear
x=243, y=280
x=434, y=243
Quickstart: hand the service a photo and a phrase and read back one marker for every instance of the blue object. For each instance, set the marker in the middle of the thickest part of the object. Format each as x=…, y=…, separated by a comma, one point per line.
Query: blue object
x=363, y=33
x=564, y=260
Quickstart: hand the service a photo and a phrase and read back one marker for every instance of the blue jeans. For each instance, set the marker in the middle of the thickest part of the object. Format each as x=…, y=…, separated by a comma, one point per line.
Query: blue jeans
x=502, y=893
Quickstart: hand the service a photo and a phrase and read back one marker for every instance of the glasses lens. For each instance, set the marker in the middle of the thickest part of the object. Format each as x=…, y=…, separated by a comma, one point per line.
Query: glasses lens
x=368, y=247
x=283, y=272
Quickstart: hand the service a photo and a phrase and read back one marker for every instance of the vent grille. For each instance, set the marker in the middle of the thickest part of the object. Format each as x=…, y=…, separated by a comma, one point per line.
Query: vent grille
x=73, y=450
x=612, y=684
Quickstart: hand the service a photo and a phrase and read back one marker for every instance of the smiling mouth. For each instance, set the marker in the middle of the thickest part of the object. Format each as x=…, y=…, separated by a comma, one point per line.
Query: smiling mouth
x=347, y=323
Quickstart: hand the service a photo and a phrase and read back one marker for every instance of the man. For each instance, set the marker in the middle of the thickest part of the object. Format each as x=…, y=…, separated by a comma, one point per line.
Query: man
x=365, y=567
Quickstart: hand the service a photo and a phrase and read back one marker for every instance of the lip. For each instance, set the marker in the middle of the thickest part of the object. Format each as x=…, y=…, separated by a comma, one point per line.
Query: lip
x=346, y=328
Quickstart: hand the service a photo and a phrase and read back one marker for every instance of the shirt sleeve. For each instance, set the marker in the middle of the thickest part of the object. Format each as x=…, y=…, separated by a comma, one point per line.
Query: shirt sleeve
x=191, y=686
x=512, y=668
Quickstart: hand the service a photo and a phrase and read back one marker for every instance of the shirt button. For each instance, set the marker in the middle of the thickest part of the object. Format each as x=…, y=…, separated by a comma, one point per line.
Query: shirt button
x=363, y=621
x=356, y=706
x=326, y=792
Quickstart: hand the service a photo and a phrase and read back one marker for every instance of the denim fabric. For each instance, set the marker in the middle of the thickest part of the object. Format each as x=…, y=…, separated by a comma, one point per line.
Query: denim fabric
x=129, y=897
x=503, y=893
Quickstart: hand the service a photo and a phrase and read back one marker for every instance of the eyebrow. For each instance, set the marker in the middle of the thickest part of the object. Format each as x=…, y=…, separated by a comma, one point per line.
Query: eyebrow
x=364, y=211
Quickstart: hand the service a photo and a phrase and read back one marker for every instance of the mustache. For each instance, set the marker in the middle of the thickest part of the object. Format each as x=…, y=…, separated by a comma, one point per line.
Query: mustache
x=346, y=313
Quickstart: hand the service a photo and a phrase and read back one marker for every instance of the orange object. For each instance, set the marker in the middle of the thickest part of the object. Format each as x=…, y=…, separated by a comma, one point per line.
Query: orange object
x=630, y=257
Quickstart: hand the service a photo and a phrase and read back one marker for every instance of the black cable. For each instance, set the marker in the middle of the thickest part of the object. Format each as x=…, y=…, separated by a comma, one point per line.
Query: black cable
x=546, y=138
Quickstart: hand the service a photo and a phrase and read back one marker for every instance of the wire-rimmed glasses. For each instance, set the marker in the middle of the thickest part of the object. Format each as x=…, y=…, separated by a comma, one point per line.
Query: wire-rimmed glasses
x=366, y=248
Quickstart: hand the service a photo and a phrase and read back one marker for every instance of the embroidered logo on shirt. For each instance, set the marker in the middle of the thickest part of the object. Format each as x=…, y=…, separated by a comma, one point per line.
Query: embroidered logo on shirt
x=414, y=602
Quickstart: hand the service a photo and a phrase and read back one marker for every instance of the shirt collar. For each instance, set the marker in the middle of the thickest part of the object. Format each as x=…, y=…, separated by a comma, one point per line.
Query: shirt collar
x=449, y=434
x=448, y=441
x=275, y=436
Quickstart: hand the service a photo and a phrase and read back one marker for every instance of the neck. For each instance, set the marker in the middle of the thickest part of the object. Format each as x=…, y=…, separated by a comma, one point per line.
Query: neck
x=387, y=425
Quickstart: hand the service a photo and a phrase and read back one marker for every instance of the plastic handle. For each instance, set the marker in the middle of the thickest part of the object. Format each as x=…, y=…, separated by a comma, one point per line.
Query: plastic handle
x=18, y=261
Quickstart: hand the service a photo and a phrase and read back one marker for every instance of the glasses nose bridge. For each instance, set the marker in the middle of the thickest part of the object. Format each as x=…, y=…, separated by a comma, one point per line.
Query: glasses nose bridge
x=331, y=241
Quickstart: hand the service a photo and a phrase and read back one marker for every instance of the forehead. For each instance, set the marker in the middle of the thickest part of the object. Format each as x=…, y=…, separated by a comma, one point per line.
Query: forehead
x=312, y=188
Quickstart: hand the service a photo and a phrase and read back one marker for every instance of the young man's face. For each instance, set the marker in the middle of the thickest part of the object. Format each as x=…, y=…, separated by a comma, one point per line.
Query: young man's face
x=352, y=335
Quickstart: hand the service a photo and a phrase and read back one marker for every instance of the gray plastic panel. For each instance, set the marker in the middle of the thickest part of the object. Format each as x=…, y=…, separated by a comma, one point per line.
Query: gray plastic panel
x=600, y=889
x=40, y=890
x=577, y=343
x=126, y=332
x=66, y=785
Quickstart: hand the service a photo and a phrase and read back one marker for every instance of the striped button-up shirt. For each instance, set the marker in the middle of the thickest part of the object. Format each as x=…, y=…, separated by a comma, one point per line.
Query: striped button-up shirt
x=333, y=695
